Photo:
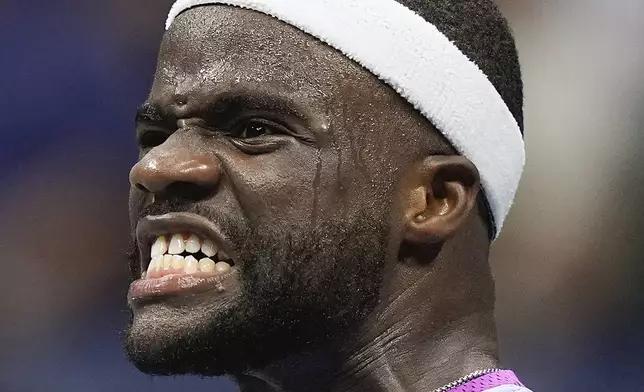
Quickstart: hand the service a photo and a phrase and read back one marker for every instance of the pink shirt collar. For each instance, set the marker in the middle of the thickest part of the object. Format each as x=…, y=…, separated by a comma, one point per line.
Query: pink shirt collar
x=489, y=381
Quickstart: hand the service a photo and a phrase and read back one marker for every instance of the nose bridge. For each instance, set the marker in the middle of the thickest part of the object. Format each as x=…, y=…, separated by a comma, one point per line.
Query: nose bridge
x=174, y=162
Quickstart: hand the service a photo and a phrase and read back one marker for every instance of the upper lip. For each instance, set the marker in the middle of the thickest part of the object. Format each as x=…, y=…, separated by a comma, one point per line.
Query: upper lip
x=153, y=226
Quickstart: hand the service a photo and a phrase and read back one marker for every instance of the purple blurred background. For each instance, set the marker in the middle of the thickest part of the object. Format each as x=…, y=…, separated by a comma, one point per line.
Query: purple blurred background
x=569, y=265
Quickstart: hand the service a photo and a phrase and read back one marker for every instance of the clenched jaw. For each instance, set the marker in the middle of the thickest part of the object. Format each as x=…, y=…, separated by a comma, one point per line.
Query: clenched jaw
x=189, y=257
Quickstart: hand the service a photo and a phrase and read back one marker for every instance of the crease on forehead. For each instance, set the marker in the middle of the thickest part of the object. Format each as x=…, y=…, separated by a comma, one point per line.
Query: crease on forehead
x=215, y=48
x=213, y=35
x=224, y=43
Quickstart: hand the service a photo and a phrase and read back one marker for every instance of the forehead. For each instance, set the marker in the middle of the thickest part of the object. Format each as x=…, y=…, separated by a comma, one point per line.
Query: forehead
x=217, y=48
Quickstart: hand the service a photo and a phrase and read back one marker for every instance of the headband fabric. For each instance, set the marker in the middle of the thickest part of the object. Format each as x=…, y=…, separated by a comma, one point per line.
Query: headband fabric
x=424, y=67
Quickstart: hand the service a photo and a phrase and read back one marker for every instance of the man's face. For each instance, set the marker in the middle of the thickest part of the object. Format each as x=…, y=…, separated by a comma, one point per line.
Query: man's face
x=284, y=154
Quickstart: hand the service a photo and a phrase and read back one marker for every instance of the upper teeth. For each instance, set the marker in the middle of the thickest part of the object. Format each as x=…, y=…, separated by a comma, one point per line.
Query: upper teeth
x=160, y=247
x=208, y=248
x=166, y=256
x=179, y=243
x=193, y=244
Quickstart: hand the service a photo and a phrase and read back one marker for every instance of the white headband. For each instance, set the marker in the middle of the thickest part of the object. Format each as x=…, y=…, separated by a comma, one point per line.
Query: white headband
x=424, y=67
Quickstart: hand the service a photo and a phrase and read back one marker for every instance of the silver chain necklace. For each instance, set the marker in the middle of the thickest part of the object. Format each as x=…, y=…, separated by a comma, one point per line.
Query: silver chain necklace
x=466, y=379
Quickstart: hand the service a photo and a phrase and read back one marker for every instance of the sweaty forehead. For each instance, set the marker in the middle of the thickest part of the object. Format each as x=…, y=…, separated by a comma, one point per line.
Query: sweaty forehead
x=217, y=48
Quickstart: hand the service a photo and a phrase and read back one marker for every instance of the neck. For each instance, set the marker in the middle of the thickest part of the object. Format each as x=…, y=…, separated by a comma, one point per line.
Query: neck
x=395, y=360
x=434, y=324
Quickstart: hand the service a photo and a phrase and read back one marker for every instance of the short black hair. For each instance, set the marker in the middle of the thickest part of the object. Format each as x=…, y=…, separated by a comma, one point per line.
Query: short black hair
x=482, y=33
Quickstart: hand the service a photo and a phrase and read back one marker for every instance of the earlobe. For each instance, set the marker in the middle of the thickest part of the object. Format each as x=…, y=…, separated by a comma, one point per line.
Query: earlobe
x=440, y=194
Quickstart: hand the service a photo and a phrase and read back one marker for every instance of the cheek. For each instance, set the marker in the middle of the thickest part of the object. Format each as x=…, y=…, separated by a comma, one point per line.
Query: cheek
x=304, y=186
x=300, y=186
x=295, y=186
x=279, y=186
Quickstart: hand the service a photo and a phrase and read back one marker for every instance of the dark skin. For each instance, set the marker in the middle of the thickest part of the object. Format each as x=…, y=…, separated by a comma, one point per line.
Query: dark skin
x=331, y=140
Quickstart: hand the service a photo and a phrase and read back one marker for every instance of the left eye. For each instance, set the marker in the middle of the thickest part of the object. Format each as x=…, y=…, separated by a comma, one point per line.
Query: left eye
x=256, y=128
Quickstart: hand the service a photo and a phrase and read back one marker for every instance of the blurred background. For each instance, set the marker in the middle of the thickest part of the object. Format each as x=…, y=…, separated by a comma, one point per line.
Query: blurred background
x=569, y=265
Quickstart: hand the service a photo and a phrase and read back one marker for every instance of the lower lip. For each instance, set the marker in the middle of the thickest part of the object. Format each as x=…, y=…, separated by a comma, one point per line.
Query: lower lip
x=146, y=289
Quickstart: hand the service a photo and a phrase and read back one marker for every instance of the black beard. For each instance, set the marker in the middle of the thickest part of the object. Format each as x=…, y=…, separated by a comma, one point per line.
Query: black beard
x=301, y=290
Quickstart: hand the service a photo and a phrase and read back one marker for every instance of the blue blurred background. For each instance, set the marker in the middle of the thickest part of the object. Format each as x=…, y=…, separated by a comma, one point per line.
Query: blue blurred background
x=569, y=265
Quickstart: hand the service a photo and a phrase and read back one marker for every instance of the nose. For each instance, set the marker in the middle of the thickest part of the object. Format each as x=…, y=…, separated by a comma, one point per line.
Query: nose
x=177, y=172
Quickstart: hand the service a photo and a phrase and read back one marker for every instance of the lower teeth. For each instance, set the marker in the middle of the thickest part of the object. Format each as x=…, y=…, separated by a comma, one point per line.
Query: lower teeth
x=176, y=264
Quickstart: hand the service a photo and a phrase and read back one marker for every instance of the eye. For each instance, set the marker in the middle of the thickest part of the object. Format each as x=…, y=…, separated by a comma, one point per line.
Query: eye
x=259, y=127
x=149, y=139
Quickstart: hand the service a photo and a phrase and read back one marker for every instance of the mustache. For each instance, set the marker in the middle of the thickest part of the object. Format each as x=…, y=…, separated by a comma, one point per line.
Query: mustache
x=231, y=226
x=164, y=206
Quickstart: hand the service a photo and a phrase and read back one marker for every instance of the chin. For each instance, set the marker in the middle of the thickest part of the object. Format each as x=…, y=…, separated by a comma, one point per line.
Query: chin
x=166, y=340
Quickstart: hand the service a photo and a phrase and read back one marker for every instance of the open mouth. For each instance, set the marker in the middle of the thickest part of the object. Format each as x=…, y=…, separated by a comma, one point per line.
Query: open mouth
x=182, y=253
x=186, y=254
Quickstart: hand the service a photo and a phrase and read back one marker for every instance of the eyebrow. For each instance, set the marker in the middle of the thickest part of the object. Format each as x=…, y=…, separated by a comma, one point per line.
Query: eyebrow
x=226, y=103
x=247, y=99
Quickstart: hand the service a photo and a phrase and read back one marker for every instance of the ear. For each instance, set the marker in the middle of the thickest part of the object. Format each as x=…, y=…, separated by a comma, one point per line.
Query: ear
x=439, y=197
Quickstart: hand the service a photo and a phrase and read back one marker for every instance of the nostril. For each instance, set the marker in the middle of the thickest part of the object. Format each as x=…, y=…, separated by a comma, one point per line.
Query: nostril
x=141, y=188
x=188, y=190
